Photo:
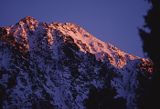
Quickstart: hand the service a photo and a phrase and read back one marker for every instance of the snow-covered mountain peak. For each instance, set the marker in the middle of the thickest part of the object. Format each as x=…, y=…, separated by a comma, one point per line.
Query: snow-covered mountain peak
x=28, y=23
x=89, y=43
x=62, y=66
x=28, y=20
x=84, y=40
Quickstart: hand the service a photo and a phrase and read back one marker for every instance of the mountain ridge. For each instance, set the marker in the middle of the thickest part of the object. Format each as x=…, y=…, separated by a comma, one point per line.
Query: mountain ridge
x=67, y=29
x=60, y=60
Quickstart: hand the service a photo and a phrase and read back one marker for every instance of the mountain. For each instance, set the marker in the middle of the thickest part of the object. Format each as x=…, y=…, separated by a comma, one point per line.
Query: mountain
x=62, y=66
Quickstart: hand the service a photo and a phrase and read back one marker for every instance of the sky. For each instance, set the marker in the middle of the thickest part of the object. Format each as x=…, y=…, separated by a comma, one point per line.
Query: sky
x=113, y=21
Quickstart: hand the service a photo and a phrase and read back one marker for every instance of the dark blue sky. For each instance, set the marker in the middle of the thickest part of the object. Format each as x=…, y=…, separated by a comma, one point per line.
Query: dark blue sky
x=114, y=21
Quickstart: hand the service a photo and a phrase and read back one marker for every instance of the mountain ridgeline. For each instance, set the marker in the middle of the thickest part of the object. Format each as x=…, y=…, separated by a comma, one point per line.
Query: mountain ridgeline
x=62, y=66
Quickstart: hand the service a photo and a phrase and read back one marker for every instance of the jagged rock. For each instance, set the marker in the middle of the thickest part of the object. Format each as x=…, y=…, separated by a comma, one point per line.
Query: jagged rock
x=62, y=66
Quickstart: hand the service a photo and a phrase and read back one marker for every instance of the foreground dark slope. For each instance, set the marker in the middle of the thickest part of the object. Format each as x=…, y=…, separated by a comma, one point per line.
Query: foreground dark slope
x=61, y=66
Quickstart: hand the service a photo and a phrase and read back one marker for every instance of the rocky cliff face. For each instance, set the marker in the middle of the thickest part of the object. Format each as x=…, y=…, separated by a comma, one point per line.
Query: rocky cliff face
x=62, y=66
